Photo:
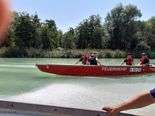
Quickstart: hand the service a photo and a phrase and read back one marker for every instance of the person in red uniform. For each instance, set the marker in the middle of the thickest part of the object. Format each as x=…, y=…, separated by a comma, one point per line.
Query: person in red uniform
x=144, y=60
x=128, y=60
x=84, y=59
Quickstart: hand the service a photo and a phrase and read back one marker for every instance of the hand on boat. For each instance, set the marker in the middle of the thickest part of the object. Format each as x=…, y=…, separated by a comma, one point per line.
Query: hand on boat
x=111, y=111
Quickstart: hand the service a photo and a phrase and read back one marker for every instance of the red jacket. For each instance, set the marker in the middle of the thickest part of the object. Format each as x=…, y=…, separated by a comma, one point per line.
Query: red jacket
x=144, y=60
x=129, y=60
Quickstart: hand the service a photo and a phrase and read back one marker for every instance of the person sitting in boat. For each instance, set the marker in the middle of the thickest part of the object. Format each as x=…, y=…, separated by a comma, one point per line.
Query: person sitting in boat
x=93, y=60
x=128, y=60
x=144, y=60
x=84, y=59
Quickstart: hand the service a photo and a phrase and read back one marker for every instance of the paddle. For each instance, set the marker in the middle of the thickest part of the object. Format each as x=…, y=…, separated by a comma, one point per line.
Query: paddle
x=122, y=62
x=77, y=62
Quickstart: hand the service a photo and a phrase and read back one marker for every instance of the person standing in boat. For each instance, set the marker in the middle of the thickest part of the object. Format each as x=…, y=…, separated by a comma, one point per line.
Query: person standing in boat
x=84, y=59
x=93, y=60
x=128, y=60
x=144, y=60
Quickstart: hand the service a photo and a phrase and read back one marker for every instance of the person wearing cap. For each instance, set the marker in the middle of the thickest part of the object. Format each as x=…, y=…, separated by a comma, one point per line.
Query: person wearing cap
x=144, y=60
x=128, y=60
x=93, y=60
x=138, y=101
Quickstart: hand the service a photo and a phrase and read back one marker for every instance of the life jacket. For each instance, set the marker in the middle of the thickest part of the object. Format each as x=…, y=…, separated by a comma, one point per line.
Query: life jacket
x=129, y=60
x=144, y=60
x=92, y=61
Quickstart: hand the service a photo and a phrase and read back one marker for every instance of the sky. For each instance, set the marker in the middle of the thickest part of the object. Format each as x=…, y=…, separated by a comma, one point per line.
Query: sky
x=69, y=13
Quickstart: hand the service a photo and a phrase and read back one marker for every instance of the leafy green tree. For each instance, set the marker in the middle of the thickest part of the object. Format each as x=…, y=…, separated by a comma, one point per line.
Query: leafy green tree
x=143, y=35
x=68, y=39
x=90, y=33
x=49, y=35
x=60, y=36
x=121, y=30
x=150, y=29
x=24, y=31
x=120, y=27
x=36, y=42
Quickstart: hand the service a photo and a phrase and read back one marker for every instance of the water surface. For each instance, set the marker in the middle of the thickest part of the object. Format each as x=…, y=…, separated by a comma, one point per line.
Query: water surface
x=21, y=81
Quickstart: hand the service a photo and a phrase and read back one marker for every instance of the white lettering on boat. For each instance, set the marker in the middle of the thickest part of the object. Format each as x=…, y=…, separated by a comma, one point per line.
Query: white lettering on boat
x=114, y=68
x=135, y=69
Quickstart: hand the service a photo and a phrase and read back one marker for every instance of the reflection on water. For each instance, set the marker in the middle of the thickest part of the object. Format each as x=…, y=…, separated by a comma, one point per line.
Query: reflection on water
x=20, y=80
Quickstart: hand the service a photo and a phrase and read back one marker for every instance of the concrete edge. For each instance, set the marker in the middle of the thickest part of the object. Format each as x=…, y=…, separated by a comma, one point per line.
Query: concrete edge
x=53, y=110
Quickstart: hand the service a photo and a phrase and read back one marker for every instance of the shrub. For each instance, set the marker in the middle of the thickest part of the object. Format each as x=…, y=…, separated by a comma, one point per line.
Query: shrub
x=15, y=52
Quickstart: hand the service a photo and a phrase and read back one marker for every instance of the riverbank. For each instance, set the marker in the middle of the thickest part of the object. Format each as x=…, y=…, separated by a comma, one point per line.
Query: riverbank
x=63, y=53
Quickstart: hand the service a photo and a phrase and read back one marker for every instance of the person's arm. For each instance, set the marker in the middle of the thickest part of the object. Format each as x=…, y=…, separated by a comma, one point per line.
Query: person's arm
x=138, y=101
x=98, y=62
x=140, y=61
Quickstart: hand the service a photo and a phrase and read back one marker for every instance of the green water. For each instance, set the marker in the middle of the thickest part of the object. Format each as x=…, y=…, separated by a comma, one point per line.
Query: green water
x=21, y=81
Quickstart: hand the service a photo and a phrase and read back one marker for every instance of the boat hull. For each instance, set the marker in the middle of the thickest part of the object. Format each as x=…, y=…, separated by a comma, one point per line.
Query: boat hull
x=80, y=70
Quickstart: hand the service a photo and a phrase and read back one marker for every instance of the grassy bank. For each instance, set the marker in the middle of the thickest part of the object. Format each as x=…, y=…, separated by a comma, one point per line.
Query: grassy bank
x=62, y=53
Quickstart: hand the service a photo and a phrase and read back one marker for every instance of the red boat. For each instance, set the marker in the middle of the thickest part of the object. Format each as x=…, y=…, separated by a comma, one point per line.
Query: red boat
x=84, y=70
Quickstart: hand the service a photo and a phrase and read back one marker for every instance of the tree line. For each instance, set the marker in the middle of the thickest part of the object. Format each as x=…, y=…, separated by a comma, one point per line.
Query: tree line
x=122, y=29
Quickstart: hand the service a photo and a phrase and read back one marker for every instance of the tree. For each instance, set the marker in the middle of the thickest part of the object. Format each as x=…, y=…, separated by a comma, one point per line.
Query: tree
x=24, y=31
x=36, y=42
x=120, y=27
x=50, y=38
x=68, y=39
x=150, y=29
x=90, y=33
x=60, y=36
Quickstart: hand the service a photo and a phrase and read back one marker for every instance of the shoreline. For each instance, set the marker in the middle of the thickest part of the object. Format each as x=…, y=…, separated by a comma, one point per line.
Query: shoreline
x=63, y=53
